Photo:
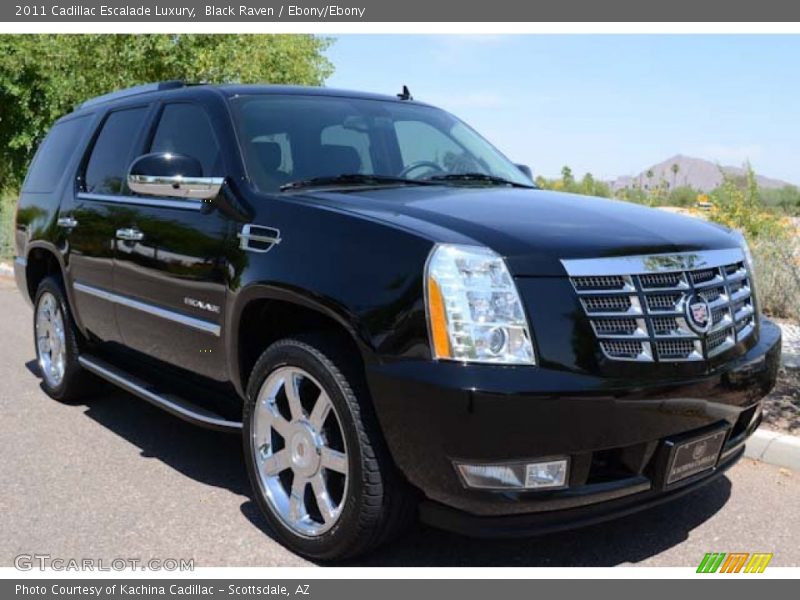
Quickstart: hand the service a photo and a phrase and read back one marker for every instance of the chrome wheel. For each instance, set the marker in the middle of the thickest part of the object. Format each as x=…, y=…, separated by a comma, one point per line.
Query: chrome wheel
x=51, y=341
x=299, y=451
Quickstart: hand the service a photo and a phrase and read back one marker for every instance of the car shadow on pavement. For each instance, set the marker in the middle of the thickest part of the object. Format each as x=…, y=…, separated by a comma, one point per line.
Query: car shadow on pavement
x=210, y=457
x=629, y=539
x=215, y=459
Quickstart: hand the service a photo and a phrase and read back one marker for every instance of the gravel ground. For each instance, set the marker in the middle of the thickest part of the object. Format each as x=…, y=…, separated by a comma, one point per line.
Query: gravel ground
x=791, y=344
x=782, y=406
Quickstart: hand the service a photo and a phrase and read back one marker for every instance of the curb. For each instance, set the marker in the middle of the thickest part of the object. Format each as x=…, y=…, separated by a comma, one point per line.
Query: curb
x=771, y=447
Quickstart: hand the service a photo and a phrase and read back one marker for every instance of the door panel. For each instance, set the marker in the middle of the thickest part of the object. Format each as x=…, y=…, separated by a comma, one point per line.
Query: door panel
x=91, y=262
x=91, y=219
x=174, y=281
x=171, y=261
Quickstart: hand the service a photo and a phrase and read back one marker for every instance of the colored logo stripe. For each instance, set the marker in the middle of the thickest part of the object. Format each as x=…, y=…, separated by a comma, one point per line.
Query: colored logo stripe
x=735, y=562
x=711, y=562
x=758, y=562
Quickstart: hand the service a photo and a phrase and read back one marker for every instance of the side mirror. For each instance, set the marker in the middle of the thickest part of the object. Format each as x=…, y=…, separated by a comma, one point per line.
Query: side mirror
x=526, y=170
x=172, y=175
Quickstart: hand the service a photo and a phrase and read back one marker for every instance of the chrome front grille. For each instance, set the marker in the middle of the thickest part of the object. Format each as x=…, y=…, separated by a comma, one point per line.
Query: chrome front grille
x=637, y=306
x=608, y=304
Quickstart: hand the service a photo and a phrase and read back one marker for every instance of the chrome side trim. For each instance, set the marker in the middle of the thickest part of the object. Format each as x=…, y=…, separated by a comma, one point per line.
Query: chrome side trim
x=177, y=406
x=655, y=263
x=170, y=315
x=188, y=204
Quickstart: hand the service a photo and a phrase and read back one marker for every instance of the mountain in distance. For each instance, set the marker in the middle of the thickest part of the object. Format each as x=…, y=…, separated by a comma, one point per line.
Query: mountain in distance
x=698, y=173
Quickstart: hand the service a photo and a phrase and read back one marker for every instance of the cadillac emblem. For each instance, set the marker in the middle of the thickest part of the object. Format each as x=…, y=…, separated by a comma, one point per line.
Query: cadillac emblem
x=698, y=313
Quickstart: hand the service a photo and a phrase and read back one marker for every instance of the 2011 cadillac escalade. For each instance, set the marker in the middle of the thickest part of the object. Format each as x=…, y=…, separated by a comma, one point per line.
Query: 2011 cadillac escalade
x=390, y=313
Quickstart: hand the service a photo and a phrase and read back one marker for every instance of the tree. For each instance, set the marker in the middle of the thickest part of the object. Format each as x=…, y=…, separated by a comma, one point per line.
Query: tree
x=649, y=174
x=674, y=168
x=566, y=176
x=587, y=184
x=43, y=77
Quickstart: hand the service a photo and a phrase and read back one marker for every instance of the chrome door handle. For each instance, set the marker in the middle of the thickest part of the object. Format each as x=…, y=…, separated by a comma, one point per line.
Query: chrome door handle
x=129, y=234
x=67, y=222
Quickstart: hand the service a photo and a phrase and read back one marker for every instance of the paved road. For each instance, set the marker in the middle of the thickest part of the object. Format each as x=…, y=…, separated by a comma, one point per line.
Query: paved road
x=118, y=478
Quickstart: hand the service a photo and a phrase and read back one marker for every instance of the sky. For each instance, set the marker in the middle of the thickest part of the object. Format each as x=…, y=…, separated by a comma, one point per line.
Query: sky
x=607, y=104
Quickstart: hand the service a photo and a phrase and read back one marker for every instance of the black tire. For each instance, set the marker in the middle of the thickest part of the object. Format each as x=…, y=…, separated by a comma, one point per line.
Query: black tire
x=379, y=505
x=76, y=382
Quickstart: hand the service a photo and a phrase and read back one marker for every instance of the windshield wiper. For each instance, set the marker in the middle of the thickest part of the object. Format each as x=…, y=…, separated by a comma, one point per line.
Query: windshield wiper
x=352, y=179
x=480, y=177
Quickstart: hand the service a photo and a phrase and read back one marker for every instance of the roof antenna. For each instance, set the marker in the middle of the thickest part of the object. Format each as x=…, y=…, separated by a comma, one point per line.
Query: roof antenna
x=405, y=95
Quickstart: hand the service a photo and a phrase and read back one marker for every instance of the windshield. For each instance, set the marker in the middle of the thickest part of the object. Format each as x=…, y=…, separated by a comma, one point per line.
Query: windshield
x=295, y=138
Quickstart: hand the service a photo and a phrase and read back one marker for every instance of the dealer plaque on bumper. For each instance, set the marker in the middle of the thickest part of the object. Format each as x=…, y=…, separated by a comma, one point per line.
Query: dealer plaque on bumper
x=694, y=456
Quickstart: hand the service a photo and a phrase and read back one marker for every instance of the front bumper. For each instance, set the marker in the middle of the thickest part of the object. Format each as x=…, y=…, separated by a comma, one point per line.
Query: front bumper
x=517, y=526
x=614, y=433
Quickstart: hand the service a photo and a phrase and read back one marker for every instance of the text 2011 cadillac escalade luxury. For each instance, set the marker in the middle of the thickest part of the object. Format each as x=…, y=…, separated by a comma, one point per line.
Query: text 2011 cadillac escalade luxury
x=396, y=320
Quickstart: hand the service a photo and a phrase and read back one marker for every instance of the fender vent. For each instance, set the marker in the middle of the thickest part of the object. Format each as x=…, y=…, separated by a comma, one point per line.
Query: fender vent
x=258, y=238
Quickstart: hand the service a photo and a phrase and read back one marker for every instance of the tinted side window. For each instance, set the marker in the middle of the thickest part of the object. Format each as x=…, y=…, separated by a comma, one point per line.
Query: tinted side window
x=111, y=155
x=185, y=129
x=53, y=155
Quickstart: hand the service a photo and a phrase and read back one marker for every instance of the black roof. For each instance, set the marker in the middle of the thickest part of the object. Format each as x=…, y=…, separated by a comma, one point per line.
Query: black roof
x=229, y=90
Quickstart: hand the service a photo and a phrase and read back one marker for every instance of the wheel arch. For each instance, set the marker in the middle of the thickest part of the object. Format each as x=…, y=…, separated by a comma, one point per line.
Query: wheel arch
x=262, y=314
x=42, y=259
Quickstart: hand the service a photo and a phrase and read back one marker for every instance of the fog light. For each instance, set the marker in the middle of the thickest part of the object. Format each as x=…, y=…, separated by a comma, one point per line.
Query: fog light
x=546, y=474
x=515, y=476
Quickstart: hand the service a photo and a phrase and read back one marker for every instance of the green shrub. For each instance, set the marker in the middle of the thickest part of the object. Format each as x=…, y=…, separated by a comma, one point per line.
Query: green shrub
x=8, y=203
x=777, y=274
x=773, y=239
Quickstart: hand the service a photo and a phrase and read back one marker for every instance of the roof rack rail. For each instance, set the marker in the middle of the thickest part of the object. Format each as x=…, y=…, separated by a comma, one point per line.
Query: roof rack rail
x=134, y=91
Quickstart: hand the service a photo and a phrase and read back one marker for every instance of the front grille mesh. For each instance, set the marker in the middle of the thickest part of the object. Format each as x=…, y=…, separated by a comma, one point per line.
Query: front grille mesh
x=599, y=283
x=663, y=302
x=615, y=326
x=678, y=348
x=662, y=280
x=665, y=325
x=611, y=304
x=625, y=349
x=642, y=317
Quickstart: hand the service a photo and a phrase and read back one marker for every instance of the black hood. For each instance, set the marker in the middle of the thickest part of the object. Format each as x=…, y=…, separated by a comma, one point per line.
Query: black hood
x=533, y=229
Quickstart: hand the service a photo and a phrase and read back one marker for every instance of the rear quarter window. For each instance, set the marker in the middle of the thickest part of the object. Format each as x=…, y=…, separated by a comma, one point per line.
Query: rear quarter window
x=110, y=158
x=53, y=155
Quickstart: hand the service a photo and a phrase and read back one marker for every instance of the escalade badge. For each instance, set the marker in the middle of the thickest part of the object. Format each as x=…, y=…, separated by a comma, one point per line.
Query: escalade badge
x=698, y=313
x=201, y=305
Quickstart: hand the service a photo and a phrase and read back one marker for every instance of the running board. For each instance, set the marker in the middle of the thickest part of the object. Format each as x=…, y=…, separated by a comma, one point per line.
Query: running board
x=175, y=405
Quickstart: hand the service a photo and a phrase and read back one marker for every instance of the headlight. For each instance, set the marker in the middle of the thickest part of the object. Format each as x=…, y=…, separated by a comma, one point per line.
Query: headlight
x=474, y=310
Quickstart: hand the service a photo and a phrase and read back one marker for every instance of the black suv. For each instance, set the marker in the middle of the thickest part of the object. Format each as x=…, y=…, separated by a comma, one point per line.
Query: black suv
x=396, y=320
